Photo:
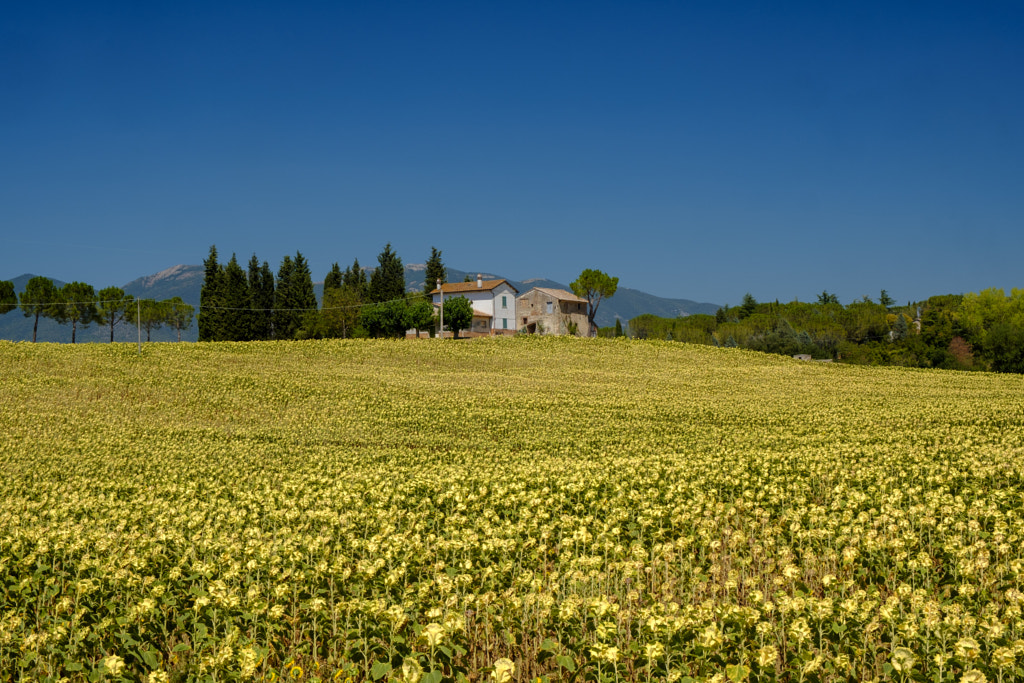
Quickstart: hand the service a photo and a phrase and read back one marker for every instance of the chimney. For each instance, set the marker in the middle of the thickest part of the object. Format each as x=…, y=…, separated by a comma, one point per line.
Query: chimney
x=479, y=281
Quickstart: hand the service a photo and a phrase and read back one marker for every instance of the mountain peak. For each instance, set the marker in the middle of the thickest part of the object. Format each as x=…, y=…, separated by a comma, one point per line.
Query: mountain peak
x=174, y=273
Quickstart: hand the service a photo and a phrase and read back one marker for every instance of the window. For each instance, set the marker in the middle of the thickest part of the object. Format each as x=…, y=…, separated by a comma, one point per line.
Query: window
x=504, y=302
x=504, y=323
x=550, y=308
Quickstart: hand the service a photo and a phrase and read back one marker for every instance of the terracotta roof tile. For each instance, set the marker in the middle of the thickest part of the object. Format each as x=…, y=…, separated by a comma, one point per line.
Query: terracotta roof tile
x=459, y=287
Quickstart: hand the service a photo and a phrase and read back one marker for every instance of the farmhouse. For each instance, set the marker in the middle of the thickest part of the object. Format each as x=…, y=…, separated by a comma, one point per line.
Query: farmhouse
x=551, y=311
x=493, y=301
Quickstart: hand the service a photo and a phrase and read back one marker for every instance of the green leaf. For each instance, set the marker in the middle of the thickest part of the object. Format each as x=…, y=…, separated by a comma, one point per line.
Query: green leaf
x=73, y=666
x=737, y=672
x=566, y=662
x=149, y=658
x=180, y=647
x=432, y=677
x=379, y=670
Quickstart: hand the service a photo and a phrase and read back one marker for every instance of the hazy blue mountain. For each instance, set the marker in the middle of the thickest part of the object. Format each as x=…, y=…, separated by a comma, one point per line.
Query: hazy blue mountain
x=186, y=281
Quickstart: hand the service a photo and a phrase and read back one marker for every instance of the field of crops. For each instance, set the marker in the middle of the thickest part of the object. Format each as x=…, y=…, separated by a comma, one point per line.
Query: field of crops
x=505, y=509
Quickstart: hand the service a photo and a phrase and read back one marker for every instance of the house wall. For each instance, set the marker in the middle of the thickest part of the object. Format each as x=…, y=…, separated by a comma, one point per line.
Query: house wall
x=531, y=313
x=489, y=302
x=504, y=315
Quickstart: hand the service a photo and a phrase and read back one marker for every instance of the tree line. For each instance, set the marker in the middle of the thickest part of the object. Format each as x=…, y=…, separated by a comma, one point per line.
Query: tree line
x=79, y=305
x=255, y=305
x=983, y=331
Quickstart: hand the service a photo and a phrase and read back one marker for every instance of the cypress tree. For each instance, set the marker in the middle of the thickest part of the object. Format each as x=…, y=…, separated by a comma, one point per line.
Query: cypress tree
x=388, y=281
x=210, y=299
x=435, y=271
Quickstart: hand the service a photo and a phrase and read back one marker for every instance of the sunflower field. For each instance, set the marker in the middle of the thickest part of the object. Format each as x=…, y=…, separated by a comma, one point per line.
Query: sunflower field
x=509, y=509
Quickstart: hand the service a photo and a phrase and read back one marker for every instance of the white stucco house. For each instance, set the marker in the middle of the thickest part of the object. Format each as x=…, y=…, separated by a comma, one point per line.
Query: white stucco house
x=493, y=301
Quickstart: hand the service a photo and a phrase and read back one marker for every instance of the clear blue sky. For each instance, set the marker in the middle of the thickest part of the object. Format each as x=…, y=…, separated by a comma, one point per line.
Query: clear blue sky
x=696, y=150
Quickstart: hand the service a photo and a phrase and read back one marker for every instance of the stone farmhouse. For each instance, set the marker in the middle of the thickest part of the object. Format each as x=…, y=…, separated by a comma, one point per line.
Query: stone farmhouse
x=551, y=311
x=493, y=301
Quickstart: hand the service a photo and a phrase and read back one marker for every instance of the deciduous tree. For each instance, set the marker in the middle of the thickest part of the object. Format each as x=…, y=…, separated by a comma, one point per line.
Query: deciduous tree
x=385, y=319
x=594, y=286
x=419, y=314
x=458, y=314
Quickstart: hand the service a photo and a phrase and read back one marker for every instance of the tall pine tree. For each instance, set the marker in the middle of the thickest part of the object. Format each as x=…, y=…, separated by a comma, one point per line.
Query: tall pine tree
x=235, y=300
x=263, y=302
x=210, y=318
x=304, y=295
x=284, y=323
x=354, y=280
x=435, y=271
x=333, y=279
x=388, y=281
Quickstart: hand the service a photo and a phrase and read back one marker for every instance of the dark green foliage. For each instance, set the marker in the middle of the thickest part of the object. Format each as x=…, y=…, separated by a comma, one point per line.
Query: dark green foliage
x=178, y=315
x=294, y=300
x=458, y=314
x=385, y=319
x=113, y=307
x=826, y=298
x=885, y=300
x=748, y=307
x=8, y=300
x=39, y=299
x=594, y=286
x=354, y=280
x=971, y=332
x=211, y=315
x=1004, y=344
x=618, y=328
x=149, y=315
x=334, y=278
x=388, y=281
x=236, y=318
x=419, y=315
x=261, y=299
x=435, y=271
x=77, y=306
x=899, y=328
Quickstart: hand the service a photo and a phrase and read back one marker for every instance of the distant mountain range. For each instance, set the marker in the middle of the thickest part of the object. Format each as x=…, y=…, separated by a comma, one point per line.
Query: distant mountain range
x=187, y=281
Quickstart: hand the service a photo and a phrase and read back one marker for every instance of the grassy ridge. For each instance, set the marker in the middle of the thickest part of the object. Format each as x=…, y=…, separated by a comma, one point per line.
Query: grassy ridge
x=427, y=510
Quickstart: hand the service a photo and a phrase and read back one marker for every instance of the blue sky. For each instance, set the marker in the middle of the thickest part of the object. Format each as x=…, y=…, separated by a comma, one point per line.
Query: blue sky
x=695, y=150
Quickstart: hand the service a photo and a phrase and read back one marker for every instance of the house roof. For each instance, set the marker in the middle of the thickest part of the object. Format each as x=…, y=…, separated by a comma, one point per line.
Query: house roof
x=561, y=295
x=459, y=287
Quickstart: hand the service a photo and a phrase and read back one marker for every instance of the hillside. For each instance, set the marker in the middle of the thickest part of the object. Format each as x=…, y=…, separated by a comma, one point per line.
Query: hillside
x=186, y=281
